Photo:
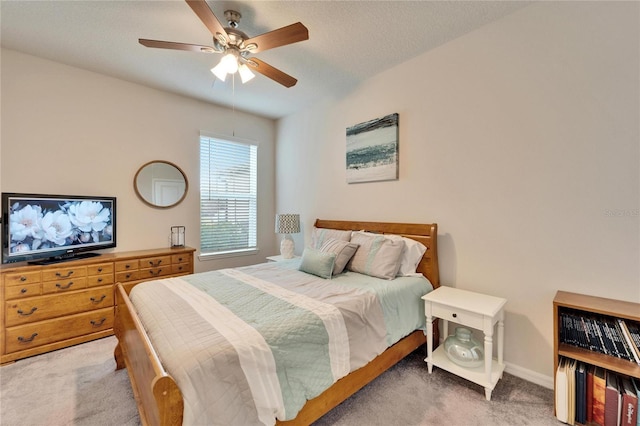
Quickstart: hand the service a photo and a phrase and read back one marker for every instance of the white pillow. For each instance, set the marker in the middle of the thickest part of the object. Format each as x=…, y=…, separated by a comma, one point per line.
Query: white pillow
x=376, y=256
x=320, y=235
x=411, y=255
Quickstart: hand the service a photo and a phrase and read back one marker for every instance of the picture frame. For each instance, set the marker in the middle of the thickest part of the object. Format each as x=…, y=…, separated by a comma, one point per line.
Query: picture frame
x=372, y=150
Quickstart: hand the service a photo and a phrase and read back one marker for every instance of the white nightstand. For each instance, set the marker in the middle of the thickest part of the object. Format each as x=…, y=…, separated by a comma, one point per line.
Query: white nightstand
x=473, y=310
x=278, y=258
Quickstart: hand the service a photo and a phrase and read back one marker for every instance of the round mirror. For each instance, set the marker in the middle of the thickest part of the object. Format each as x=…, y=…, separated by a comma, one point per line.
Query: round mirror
x=161, y=184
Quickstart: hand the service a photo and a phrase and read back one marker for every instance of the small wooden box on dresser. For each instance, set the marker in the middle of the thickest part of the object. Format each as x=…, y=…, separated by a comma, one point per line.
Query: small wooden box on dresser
x=590, y=306
x=48, y=307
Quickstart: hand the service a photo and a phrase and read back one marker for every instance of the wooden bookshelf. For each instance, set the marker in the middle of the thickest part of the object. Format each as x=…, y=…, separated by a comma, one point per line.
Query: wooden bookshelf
x=597, y=306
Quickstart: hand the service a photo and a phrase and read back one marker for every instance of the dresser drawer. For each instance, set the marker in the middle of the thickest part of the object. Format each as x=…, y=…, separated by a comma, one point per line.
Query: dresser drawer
x=24, y=290
x=127, y=265
x=123, y=277
x=460, y=316
x=98, y=280
x=181, y=258
x=63, y=273
x=181, y=268
x=22, y=278
x=45, y=307
x=153, y=273
x=155, y=262
x=50, y=331
x=61, y=286
x=100, y=269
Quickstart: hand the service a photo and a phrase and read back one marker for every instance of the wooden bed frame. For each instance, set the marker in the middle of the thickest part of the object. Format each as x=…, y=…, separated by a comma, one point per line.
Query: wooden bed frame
x=157, y=395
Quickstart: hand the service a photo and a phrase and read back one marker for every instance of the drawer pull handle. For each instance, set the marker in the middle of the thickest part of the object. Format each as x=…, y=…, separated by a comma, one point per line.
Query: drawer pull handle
x=23, y=291
x=179, y=268
x=96, y=301
x=99, y=269
x=99, y=280
x=454, y=315
x=179, y=259
x=128, y=276
x=23, y=278
x=26, y=314
x=155, y=273
x=156, y=263
x=27, y=339
x=98, y=323
x=127, y=266
x=59, y=275
x=64, y=287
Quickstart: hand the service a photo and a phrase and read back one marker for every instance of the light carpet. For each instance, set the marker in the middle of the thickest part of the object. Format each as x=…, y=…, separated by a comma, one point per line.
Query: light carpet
x=80, y=386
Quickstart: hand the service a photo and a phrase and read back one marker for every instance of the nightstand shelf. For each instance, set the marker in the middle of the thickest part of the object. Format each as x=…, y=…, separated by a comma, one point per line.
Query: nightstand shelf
x=473, y=310
x=475, y=375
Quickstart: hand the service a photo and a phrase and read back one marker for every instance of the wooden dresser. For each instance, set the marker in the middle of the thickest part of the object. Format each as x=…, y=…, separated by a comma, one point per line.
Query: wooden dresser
x=48, y=307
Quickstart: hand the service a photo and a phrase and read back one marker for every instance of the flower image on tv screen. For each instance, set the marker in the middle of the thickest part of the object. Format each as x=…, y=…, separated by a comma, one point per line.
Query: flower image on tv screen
x=42, y=226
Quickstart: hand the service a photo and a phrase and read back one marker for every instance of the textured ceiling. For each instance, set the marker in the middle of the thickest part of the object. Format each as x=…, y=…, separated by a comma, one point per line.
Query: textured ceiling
x=349, y=41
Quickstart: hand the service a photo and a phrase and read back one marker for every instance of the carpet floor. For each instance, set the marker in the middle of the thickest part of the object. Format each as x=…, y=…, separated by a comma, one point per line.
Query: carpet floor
x=79, y=386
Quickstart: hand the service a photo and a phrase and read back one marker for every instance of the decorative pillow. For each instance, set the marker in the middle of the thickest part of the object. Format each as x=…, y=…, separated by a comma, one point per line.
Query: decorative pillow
x=411, y=255
x=376, y=256
x=320, y=235
x=344, y=252
x=317, y=263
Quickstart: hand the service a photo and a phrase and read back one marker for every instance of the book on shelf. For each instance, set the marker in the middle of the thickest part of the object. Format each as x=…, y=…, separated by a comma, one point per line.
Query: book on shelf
x=571, y=391
x=598, y=395
x=562, y=391
x=634, y=331
x=634, y=349
x=612, y=400
x=629, y=416
x=581, y=393
x=636, y=385
x=589, y=396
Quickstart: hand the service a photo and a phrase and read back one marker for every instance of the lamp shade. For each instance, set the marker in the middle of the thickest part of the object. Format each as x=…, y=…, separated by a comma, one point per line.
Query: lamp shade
x=287, y=223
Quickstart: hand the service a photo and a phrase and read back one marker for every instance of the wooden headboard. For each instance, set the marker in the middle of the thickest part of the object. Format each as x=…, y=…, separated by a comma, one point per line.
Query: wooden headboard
x=426, y=233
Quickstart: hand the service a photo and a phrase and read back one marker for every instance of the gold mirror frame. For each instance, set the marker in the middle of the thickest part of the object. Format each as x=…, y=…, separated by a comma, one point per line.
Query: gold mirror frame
x=157, y=179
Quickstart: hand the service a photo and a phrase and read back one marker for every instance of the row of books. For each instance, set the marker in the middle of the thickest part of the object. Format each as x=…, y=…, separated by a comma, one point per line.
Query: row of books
x=586, y=394
x=610, y=336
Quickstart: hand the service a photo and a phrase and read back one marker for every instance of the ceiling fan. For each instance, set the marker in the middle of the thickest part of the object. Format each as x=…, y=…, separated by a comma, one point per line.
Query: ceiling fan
x=236, y=46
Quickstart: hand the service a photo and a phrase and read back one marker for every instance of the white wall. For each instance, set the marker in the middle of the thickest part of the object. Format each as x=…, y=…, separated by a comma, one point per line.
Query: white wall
x=70, y=131
x=521, y=140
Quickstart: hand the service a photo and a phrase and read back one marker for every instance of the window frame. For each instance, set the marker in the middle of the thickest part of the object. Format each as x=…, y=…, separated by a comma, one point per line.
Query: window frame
x=248, y=251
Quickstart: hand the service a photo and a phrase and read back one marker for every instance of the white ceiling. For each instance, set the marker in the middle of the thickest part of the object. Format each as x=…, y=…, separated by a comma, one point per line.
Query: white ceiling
x=349, y=41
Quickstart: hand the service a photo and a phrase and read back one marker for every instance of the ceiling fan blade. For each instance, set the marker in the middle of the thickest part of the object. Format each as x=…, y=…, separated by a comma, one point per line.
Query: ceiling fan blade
x=286, y=35
x=176, y=46
x=271, y=72
x=209, y=19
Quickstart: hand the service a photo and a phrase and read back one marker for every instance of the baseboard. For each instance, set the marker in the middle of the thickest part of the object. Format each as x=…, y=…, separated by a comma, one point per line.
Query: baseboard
x=529, y=375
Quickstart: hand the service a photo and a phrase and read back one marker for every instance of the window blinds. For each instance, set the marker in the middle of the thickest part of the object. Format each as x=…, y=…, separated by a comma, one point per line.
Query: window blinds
x=228, y=193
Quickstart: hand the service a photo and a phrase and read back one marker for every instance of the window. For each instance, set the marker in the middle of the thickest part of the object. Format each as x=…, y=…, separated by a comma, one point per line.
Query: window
x=228, y=193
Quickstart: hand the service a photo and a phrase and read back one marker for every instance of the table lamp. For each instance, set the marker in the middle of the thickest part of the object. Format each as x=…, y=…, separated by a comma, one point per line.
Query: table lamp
x=287, y=224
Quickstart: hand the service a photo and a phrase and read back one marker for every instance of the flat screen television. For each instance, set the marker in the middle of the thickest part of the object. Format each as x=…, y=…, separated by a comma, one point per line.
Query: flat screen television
x=43, y=229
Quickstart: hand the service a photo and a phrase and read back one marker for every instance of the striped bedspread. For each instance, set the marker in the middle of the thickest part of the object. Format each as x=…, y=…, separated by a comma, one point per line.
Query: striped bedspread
x=252, y=344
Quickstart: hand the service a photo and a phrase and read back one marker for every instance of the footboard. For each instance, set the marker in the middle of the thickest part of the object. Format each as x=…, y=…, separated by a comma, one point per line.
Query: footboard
x=157, y=395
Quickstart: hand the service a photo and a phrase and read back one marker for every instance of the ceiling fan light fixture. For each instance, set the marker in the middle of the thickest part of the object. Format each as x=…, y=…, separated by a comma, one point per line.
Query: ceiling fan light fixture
x=220, y=71
x=245, y=73
x=230, y=62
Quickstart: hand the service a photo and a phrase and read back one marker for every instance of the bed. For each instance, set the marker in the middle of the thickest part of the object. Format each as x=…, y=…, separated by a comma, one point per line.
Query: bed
x=160, y=400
